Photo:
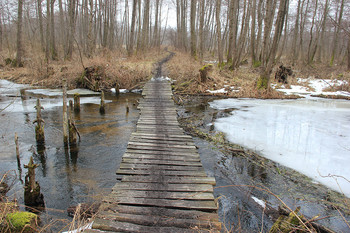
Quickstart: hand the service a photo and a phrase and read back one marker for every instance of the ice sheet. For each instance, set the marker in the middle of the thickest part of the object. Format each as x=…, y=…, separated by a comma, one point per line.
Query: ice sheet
x=311, y=136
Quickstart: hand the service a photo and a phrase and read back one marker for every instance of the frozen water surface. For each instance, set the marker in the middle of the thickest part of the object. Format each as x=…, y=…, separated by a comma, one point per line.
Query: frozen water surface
x=311, y=136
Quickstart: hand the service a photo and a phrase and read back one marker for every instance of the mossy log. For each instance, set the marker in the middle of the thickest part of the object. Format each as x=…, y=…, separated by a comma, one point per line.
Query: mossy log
x=22, y=221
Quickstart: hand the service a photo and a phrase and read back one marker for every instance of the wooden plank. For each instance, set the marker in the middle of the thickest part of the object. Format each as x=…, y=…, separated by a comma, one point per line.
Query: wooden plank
x=161, y=195
x=160, y=148
x=194, y=158
x=161, y=141
x=170, y=179
x=166, y=153
x=184, y=204
x=158, y=211
x=162, y=221
x=114, y=226
x=161, y=135
x=159, y=172
x=160, y=162
x=162, y=145
x=160, y=167
x=162, y=186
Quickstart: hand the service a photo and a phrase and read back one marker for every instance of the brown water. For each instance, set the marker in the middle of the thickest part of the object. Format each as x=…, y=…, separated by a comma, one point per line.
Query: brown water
x=66, y=178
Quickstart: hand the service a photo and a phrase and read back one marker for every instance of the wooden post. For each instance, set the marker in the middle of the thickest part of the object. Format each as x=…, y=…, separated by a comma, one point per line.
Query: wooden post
x=102, y=105
x=39, y=128
x=127, y=106
x=17, y=151
x=117, y=87
x=65, y=115
x=70, y=105
x=77, y=102
x=72, y=131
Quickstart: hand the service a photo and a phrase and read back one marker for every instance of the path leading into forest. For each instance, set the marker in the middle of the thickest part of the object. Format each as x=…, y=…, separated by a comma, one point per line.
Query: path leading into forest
x=164, y=187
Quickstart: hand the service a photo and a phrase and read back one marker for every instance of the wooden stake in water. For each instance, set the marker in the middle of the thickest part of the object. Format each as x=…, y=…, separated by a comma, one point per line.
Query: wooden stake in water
x=127, y=106
x=31, y=166
x=117, y=87
x=65, y=115
x=72, y=130
x=77, y=102
x=17, y=151
x=102, y=105
x=39, y=128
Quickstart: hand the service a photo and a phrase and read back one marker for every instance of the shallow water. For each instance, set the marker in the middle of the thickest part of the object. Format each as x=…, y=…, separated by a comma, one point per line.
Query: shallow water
x=66, y=178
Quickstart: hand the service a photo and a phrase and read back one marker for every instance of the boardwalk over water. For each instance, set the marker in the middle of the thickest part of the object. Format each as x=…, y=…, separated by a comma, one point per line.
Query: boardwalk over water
x=164, y=187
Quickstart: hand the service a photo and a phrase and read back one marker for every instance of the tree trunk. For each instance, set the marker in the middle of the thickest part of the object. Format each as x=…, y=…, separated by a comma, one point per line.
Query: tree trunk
x=252, y=34
x=337, y=31
x=264, y=80
x=231, y=33
x=41, y=27
x=71, y=30
x=349, y=52
x=145, y=26
x=19, y=34
x=201, y=29
x=132, y=29
x=218, y=30
x=52, y=34
x=193, y=28
x=295, y=36
x=323, y=30
x=156, y=25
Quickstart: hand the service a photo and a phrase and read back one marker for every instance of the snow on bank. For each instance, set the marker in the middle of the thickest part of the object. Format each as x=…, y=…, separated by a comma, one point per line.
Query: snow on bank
x=309, y=135
x=315, y=87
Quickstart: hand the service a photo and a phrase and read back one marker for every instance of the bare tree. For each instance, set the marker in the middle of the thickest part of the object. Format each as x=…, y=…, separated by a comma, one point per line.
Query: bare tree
x=264, y=79
x=218, y=30
x=193, y=28
x=19, y=34
x=337, y=32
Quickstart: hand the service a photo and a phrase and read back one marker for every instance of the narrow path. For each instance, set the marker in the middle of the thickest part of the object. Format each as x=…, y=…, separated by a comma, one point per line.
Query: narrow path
x=164, y=186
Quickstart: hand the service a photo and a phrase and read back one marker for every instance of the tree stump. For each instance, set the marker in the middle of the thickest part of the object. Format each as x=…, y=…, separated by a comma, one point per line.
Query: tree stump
x=204, y=71
x=282, y=74
x=32, y=194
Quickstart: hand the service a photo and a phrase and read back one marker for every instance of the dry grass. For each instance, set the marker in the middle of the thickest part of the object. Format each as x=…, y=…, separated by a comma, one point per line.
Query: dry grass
x=128, y=72
x=185, y=70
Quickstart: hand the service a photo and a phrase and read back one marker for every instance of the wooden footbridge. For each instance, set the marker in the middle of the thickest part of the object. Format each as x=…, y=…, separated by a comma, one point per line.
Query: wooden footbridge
x=164, y=187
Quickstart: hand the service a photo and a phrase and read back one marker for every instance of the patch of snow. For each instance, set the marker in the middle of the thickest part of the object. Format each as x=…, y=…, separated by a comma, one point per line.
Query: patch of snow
x=136, y=91
x=81, y=229
x=310, y=135
x=222, y=90
x=318, y=85
x=162, y=78
x=260, y=202
x=120, y=90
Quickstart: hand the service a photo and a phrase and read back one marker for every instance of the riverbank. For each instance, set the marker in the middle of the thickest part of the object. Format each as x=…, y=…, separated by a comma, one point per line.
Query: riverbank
x=108, y=69
x=256, y=186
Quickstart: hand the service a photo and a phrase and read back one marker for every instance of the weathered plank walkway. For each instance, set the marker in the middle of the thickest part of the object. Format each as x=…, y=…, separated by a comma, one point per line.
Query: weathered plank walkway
x=164, y=187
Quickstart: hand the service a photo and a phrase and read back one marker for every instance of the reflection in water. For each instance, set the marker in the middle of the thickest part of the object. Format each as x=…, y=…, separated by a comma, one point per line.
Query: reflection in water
x=68, y=176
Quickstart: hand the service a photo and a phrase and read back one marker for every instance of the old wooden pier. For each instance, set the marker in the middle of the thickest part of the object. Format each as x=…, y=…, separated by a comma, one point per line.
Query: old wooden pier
x=164, y=187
